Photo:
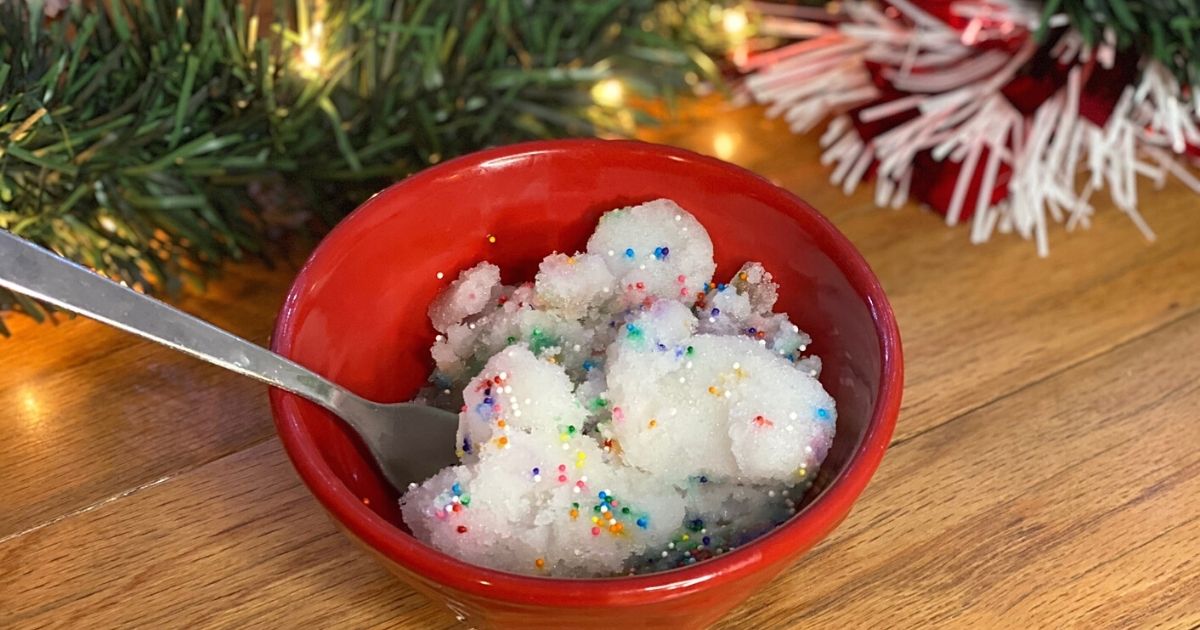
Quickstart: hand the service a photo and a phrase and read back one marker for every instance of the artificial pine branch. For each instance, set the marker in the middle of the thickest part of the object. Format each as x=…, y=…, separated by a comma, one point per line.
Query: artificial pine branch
x=1165, y=30
x=150, y=140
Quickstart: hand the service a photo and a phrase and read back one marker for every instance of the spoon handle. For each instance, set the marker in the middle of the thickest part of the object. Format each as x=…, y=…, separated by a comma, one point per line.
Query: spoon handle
x=36, y=272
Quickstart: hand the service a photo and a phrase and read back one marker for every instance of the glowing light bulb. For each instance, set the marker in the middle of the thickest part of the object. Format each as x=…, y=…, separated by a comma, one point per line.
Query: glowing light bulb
x=312, y=57
x=724, y=144
x=735, y=21
x=608, y=93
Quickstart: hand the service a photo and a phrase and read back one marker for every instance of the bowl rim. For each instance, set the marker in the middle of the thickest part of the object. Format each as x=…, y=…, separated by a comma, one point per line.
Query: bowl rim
x=804, y=529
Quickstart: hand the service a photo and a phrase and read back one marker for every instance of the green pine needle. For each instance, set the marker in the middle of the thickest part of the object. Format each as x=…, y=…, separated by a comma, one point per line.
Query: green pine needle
x=150, y=139
x=1165, y=30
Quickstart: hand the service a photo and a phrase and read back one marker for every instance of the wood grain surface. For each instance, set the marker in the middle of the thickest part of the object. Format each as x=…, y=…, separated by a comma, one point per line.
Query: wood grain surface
x=1045, y=471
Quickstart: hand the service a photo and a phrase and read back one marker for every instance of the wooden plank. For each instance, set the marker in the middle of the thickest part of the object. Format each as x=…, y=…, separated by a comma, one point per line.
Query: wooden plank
x=1046, y=506
x=1075, y=501
x=985, y=328
x=236, y=543
x=977, y=322
x=99, y=411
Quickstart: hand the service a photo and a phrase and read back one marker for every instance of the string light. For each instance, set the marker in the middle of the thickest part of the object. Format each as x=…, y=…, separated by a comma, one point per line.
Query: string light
x=608, y=93
x=724, y=145
x=311, y=53
x=312, y=57
x=737, y=29
x=735, y=21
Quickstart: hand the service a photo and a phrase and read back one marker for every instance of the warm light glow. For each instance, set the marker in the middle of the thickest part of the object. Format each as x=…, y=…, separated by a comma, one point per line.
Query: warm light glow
x=735, y=21
x=724, y=145
x=741, y=54
x=625, y=119
x=31, y=409
x=608, y=93
x=107, y=223
x=312, y=57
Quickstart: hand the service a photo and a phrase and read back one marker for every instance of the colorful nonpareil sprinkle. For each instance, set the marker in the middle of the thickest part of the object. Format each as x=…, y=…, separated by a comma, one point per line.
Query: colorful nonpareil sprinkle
x=622, y=413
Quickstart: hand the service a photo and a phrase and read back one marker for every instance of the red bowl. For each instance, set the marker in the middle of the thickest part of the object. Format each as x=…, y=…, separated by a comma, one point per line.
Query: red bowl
x=356, y=313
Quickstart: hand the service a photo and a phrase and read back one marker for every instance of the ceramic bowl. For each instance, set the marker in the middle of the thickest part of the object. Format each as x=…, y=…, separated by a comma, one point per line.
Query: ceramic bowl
x=357, y=314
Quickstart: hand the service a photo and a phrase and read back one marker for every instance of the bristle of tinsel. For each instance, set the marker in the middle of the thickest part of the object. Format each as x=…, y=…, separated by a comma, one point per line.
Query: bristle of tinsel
x=946, y=87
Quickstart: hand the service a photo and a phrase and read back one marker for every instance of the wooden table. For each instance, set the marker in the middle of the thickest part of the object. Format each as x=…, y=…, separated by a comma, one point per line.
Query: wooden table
x=1045, y=470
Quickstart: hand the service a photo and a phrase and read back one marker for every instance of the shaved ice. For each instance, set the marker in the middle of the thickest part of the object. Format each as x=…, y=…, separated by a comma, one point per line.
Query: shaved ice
x=621, y=413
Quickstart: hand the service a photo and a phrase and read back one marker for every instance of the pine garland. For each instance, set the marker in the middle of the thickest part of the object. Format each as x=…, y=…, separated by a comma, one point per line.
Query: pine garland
x=1165, y=30
x=154, y=140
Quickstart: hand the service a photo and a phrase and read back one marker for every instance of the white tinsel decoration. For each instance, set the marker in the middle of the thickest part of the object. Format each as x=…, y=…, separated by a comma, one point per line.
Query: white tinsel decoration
x=964, y=117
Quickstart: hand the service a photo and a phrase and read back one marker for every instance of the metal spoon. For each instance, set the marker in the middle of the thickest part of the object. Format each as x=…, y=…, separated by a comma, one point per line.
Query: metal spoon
x=409, y=442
